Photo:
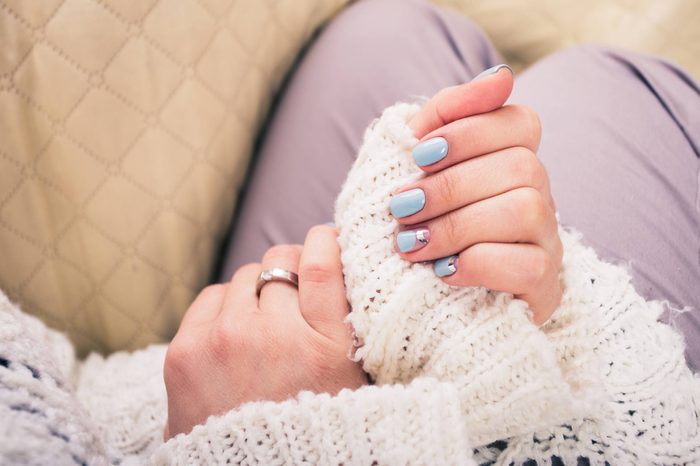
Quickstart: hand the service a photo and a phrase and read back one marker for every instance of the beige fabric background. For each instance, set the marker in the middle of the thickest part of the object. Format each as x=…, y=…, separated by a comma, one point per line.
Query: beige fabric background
x=126, y=128
x=525, y=30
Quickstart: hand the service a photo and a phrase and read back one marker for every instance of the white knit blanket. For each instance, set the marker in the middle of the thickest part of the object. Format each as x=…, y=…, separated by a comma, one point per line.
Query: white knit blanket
x=462, y=376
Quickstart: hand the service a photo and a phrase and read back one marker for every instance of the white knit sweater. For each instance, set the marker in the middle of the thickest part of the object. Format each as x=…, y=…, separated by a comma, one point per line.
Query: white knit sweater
x=462, y=376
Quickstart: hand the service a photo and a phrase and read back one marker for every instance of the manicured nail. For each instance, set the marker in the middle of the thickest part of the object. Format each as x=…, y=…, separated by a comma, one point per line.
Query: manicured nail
x=492, y=70
x=407, y=203
x=431, y=151
x=412, y=240
x=446, y=266
x=330, y=224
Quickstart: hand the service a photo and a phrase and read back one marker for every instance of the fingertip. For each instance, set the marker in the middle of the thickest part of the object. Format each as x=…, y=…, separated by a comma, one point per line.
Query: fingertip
x=494, y=71
x=486, y=92
x=321, y=234
x=321, y=245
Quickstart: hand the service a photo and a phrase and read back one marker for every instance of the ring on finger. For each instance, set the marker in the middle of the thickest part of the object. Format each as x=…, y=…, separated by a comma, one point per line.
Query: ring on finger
x=276, y=274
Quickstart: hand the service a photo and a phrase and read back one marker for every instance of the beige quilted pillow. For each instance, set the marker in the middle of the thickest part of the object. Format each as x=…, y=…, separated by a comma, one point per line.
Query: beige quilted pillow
x=125, y=130
x=525, y=30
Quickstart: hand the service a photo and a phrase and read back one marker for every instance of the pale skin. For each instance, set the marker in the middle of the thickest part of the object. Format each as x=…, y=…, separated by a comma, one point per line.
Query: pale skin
x=488, y=201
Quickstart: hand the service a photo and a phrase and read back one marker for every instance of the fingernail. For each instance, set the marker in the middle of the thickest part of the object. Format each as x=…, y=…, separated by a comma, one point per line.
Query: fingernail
x=446, y=266
x=407, y=203
x=412, y=240
x=330, y=224
x=431, y=151
x=492, y=70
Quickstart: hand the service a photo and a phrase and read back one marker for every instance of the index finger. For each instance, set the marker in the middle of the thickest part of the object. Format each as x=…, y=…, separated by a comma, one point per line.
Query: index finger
x=487, y=92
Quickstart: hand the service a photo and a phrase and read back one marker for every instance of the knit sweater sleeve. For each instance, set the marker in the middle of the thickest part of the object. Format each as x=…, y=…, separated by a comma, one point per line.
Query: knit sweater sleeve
x=419, y=423
x=584, y=388
x=603, y=381
x=462, y=375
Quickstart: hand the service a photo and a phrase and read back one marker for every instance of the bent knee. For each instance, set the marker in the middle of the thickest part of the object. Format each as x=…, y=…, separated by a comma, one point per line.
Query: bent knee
x=399, y=22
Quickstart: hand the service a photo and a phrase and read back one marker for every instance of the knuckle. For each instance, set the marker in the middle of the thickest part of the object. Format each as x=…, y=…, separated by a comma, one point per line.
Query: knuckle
x=225, y=341
x=445, y=184
x=180, y=358
x=531, y=122
x=532, y=210
x=539, y=269
x=451, y=230
x=530, y=117
x=437, y=103
x=279, y=252
x=212, y=292
x=528, y=168
x=246, y=270
x=317, y=272
x=558, y=253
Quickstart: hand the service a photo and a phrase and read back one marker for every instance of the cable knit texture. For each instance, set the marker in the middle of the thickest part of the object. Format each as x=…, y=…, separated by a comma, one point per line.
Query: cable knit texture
x=463, y=377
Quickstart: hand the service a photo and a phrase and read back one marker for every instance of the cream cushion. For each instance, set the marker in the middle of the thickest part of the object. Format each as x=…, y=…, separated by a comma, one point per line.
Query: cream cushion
x=526, y=30
x=126, y=128
x=125, y=131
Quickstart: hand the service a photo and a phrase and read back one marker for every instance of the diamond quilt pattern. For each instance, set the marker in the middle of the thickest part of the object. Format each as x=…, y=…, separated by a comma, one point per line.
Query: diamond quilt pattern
x=125, y=129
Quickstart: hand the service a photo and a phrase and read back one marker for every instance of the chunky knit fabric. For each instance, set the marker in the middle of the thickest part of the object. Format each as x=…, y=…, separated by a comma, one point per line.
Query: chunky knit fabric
x=462, y=375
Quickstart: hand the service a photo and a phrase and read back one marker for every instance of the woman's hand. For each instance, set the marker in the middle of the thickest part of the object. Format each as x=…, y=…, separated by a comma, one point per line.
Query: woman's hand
x=233, y=348
x=484, y=212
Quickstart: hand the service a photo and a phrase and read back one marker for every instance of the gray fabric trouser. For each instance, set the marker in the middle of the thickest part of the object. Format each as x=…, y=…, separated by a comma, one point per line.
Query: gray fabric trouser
x=621, y=140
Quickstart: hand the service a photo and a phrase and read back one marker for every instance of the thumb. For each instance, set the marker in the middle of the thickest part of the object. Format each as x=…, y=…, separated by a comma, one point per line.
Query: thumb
x=321, y=287
x=486, y=92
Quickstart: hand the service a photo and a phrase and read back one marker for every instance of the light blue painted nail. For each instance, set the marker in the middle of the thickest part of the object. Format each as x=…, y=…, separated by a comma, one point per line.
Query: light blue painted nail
x=407, y=203
x=330, y=224
x=492, y=70
x=446, y=266
x=431, y=151
x=412, y=240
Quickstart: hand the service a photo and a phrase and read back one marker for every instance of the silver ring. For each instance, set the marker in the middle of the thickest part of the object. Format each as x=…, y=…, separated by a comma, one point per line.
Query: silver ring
x=276, y=274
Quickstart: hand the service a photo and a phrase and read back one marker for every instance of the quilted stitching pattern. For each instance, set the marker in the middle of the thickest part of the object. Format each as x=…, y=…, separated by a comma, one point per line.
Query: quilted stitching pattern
x=125, y=129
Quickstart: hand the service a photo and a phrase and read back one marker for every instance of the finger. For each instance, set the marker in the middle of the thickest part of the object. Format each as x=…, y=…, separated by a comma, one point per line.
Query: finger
x=525, y=270
x=472, y=181
x=205, y=307
x=321, y=286
x=522, y=215
x=509, y=126
x=452, y=103
x=276, y=296
x=240, y=296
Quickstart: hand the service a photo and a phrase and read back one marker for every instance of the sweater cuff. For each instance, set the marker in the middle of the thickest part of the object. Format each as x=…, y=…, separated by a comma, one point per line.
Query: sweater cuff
x=420, y=423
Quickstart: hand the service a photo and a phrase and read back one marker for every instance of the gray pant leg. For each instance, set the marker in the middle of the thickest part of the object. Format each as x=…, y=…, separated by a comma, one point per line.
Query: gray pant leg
x=621, y=140
x=373, y=54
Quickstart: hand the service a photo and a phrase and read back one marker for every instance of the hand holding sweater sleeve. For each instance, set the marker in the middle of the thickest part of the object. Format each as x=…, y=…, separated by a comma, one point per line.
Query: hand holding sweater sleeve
x=456, y=369
x=587, y=385
x=589, y=378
